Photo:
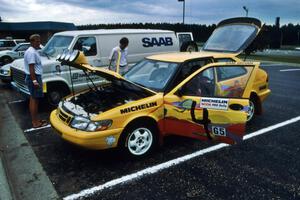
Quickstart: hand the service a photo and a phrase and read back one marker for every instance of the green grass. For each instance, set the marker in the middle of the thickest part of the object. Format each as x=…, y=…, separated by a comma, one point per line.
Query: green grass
x=289, y=59
x=289, y=47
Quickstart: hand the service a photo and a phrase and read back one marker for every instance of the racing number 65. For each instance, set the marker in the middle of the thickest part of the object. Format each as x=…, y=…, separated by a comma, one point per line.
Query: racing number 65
x=220, y=131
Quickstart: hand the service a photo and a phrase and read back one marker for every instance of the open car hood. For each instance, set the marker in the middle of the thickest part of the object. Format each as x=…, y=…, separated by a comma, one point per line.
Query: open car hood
x=106, y=74
x=233, y=35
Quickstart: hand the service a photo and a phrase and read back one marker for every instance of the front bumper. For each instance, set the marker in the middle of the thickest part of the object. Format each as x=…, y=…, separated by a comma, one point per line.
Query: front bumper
x=24, y=91
x=91, y=140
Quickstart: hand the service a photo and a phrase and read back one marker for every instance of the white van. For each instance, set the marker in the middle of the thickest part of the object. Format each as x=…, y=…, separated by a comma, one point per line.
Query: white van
x=97, y=46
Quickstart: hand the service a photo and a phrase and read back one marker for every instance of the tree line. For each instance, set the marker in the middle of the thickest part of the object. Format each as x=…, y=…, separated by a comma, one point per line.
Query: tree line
x=271, y=36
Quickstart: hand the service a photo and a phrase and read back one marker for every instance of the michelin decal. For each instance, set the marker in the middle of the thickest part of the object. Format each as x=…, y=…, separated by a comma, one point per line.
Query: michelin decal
x=214, y=103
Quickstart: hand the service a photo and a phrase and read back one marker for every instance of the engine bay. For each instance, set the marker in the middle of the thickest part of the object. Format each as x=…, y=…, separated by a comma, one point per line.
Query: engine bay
x=103, y=98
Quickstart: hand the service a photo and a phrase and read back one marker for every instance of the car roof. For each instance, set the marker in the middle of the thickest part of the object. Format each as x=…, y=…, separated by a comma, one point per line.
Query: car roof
x=12, y=40
x=110, y=31
x=181, y=57
x=23, y=43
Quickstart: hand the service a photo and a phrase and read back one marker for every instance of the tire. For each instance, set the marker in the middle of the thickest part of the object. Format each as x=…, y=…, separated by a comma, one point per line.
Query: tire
x=6, y=59
x=189, y=47
x=55, y=94
x=138, y=140
x=252, y=109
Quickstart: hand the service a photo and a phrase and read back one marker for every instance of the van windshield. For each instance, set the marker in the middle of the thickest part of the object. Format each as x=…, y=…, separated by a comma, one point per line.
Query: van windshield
x=56, y=45
x=152, y=74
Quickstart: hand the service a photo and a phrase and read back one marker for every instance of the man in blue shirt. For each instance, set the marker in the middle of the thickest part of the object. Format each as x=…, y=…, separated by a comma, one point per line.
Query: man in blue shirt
x=33, y=78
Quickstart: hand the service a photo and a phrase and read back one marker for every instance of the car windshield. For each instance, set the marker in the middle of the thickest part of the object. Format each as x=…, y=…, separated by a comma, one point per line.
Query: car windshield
x=21, y=47
x=56, y=45
x=230, y=38
x=152, y=74
x=15, y=47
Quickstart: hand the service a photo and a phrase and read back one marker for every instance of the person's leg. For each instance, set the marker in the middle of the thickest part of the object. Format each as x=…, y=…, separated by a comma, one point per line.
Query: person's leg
x=33, y=108
x=123, y=70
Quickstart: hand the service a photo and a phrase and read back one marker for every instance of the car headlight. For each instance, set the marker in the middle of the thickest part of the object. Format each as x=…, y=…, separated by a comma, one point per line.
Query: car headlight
x=5, y=72
x=85, y=124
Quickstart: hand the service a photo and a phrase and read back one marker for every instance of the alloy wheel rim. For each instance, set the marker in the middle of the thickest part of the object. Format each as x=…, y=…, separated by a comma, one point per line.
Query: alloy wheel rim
x=250, y=112
x=140, y=141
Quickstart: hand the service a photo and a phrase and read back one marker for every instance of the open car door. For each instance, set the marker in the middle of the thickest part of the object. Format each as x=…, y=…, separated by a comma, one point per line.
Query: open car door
x=212, y=103
x=233, y=35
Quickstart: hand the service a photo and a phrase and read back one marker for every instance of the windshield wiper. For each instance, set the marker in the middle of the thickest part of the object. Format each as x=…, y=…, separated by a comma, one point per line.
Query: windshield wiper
x=139, y=84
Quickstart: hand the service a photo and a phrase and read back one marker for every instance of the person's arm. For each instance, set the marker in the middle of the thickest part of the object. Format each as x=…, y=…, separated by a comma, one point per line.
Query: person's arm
x=111, y=58
x=32, y=75
x=112, y=55
x=126, y=54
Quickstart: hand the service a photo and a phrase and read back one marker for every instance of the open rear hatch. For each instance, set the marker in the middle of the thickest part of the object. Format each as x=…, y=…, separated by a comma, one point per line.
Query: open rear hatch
x=233, y=35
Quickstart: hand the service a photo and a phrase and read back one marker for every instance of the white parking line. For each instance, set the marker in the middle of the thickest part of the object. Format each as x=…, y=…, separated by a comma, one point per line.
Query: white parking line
x=289, y=70
x=34, y=129
x=17, y=101
x=159, y=167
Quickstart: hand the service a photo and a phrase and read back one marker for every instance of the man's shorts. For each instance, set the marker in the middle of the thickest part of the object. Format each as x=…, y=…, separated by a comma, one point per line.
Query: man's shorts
x=122, y=69
x=35, y=92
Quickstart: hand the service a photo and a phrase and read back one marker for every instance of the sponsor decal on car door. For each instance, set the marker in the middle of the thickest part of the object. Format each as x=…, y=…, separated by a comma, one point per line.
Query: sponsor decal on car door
x=211, y=105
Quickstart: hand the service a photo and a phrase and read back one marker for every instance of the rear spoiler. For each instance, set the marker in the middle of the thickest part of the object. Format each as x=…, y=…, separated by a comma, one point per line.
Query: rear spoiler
x=248, y=20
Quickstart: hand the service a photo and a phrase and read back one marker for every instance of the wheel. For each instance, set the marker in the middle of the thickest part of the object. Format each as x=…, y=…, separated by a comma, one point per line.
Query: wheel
x=252, y=109
x=6, y=60
x=138, y=140
x=55, y=95
x=189, y=46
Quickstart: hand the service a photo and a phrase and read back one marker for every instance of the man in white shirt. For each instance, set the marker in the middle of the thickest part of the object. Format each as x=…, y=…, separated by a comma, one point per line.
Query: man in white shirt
x=33, y=78
x=118, y=57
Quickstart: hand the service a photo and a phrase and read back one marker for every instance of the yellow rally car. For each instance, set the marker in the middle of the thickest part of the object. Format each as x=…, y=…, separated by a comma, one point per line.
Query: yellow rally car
x=203, y=95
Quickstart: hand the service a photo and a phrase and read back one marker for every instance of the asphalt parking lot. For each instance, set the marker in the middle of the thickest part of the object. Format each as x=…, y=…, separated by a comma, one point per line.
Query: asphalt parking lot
x=262, y=167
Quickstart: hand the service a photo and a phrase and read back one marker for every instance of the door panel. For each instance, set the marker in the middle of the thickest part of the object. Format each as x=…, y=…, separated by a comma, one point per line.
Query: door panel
x=209, y=113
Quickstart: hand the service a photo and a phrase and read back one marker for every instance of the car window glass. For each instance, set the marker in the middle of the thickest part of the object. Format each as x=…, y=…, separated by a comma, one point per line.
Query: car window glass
x=202, y=84
x=56, y=45
x=152, y=74
x=10, y=44
x=188, y=68
x=206, y=85
x=22, y=47
x=230, y=72
x=230, y=38
x=232, y=80
x=184, y=38
x=87, y=45
x=7, y=44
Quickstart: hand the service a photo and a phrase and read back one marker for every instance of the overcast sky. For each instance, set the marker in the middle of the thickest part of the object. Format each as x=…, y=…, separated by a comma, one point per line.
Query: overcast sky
x=83, y=12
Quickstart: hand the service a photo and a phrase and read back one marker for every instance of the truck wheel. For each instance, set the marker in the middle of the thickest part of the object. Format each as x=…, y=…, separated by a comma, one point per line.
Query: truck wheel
x=6, y=59
x=138, y=140
x=189, y=47
x=55, y=94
